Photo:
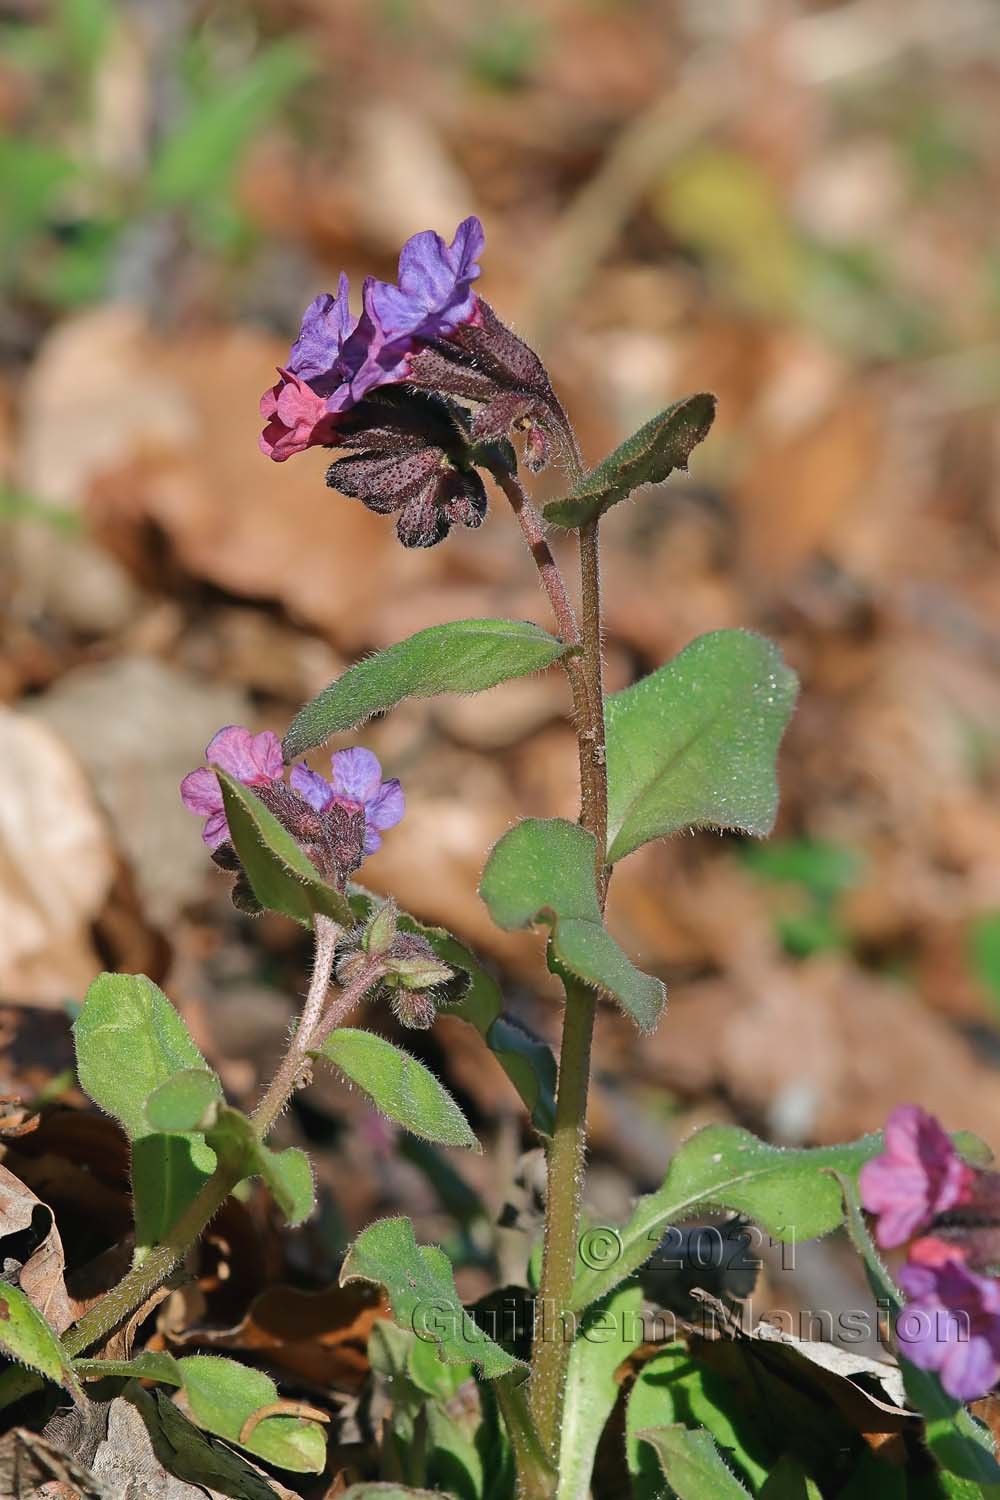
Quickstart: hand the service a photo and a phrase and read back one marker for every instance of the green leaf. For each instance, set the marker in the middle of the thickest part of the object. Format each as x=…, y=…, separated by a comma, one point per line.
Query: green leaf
x=222, y=1395
x=673, y=1387
x=185, y=1102
x=150, y=1365
x=528, y=1062
x=287, y=1173
x=694, y=744
x=664, y=443
x=282, y=876
x=984, y=952
x=607, y=1335
x=399, y=1086
x=27, y=1339
x=790, y=1193
x=789, y=1481
x=543, y=870
x=129, y=1041
x=193, y=1455
x=466, y=656
x=692, y=1465
x=957, y=1440
x=200, y=158
x=421, y=1289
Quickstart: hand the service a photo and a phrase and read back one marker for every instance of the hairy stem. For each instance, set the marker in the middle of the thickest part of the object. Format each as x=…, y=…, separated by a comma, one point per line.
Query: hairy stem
x=552, y=581
x=554, y=1321
x=284, y=1082
x=345, y=1002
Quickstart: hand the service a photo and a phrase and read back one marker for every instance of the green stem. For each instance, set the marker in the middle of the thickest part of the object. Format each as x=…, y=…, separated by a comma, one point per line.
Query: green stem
x=286, y=1079
x=144, y=1278
x=554, y=1322
x=535, y=1473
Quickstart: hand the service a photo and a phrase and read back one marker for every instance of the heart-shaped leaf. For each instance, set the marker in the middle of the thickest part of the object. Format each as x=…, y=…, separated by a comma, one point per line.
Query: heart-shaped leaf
x=528, y=1062
x=694, y=744
x=129, y=1041
x=544, y=871
x=465, y=656
x=399, y=1086
x=282, y=876
x=790, y=1193
x=27, y=1339
x=664, y=443
x=420, y=1285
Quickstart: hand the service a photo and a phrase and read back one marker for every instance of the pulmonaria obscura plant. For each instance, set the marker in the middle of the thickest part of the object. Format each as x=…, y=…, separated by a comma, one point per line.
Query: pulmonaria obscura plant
x=428, y=399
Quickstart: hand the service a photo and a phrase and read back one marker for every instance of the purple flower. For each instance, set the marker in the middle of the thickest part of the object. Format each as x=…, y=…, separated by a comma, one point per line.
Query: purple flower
x=951, y=1324
x=434, y=298
x=254, y=759
x=336, y=360
x=356, y=785
x=917, y=1177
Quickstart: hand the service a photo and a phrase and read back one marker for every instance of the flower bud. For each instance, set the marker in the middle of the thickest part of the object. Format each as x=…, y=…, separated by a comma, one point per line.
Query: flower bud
x=380, y=933
x=414, y=1008
x=415, y=973
x=349, y=967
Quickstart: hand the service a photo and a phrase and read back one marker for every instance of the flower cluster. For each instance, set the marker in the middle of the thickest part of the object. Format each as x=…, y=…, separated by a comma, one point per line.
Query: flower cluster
x=393, y=382
x=951, y=1320
x=337, y=822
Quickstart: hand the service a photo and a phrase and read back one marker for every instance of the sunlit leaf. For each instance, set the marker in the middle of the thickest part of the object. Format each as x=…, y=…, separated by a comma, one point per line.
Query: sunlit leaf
x=399, y=1086
x=420, y=1286
x=693, y=745
x=465, y=656
x=662, y=444
x=544, y=871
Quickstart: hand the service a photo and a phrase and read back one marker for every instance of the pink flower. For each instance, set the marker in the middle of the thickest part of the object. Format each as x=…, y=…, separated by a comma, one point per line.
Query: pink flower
x=254, y=759
x=951, y=1325
x=917, y=1177
x=357, y=785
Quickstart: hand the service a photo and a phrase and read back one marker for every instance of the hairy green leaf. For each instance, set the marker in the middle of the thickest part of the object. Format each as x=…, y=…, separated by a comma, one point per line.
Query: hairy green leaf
x=282, y=876
x=664, y=443
x=185, y=1102
x=150, y=1365
x=465, y=656
x=692, y=1464
x=399, y=1086
x=27, y=1339
x=608, y=1333
x=790, y=1193
x=528, y=1062
x=287, y=1173
x=222, y=1395
x=694, y=744
x=129, y=1041
x=543, y=870
x=420, y=1285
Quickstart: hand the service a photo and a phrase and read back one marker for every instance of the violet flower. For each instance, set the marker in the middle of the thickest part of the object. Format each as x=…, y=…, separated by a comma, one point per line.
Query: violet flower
x=337, y=360
x=253, y=759
x=919, y=1176
x=951, y=1325
x=357, y=786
